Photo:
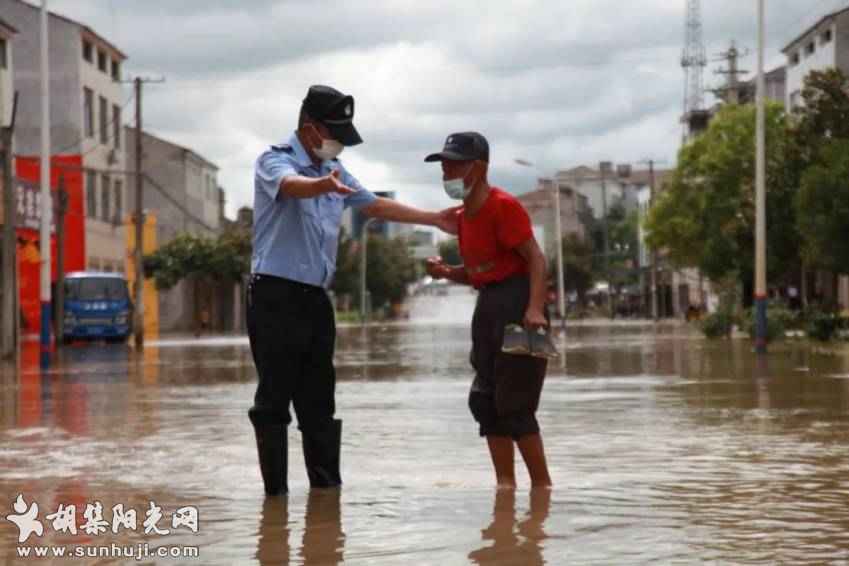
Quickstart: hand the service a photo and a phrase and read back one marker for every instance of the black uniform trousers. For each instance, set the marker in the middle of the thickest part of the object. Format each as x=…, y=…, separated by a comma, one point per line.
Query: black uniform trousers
x=292, y=332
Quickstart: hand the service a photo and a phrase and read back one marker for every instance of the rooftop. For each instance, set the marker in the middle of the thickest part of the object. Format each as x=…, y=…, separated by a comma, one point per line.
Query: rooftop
x=178, y=147
x=85, y=29
x=7, y=27
x=820, y=22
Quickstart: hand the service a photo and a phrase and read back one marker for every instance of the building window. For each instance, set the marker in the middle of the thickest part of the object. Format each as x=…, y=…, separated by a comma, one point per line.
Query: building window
x=4, y=59
x=794, y=59
x=810, y=48
x=88, y=51
x=116, y=70
x=826, y=37
x=104, y=120
x=119, y=201
x=116, y=125
x=104, y=198
x=101, y=60
x=91, y=194
x=88, y=111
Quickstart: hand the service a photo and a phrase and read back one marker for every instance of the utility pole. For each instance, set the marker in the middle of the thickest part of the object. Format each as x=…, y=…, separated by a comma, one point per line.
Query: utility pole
x=605, y=167
x=60, y=260
x=138, y=311
x=9, y=313
x=46, y=200
x=558, y=230
x=731, y=93
x=139, y=219
x=760, y=201
x=363, y=266
x=561, y=268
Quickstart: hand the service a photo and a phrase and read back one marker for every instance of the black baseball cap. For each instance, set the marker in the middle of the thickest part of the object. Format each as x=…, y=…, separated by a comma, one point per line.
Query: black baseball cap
x=462, y=146
x=335, y=110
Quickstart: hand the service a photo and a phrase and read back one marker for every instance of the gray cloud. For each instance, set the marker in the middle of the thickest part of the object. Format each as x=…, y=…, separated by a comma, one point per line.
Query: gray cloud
x=559, y=83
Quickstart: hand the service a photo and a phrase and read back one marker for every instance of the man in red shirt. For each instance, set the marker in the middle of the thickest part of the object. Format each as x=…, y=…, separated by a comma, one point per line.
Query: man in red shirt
x=501, y=259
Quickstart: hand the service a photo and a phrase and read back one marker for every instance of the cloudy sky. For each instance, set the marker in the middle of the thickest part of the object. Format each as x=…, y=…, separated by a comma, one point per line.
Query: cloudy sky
x=559, y=83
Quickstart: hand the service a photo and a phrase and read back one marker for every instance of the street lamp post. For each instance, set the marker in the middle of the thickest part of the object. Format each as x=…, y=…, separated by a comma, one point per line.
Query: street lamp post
x=558, y=229
x=363, y=264
x=760, y=201
x=46, y=199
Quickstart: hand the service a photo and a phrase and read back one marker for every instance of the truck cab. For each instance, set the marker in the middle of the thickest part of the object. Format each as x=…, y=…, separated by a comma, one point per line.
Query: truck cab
x=97, y=306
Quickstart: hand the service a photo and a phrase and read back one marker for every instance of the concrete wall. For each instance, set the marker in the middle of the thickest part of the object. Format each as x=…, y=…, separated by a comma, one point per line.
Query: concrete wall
x=105, y=231
x=65, y=53
x=179, y=183
x=7, y=88
x=540, y=207
x=842, y=42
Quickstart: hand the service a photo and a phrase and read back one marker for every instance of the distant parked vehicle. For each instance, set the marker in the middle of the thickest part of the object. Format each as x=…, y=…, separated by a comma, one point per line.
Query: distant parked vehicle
x=97, y=306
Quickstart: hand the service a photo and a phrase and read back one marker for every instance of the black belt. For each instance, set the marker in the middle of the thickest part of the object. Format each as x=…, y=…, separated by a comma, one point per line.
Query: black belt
x=273, y=279
x=504, y=282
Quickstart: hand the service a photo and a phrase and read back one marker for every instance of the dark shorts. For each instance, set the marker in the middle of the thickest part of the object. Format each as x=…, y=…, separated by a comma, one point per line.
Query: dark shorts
x=506, y=390
x=292, y=333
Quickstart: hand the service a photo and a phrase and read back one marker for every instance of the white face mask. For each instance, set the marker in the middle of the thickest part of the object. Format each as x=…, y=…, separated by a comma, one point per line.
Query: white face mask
x=330, y=149
x=456, y=188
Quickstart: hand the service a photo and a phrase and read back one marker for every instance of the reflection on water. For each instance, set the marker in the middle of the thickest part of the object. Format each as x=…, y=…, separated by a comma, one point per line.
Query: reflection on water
x=663, y=448
x=510, y=540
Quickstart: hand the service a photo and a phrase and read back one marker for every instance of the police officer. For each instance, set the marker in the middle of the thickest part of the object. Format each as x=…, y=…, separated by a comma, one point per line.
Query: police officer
x=300, y=191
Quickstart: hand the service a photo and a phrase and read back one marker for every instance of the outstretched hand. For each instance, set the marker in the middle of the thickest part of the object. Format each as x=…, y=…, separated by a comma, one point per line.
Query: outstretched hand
x=448, y=219
x=334, y=185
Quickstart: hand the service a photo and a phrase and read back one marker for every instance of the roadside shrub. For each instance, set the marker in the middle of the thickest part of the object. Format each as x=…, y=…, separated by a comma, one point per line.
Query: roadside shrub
x=824, y=326
x=717, y=325
x=779, y=319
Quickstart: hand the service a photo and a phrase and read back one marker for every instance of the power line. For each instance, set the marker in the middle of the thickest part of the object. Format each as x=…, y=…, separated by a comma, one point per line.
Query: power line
x=159, y=188
x=98, y=143
x=177, y=203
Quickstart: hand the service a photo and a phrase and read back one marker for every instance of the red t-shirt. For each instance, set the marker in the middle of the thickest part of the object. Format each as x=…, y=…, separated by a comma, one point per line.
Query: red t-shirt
x=488, y=240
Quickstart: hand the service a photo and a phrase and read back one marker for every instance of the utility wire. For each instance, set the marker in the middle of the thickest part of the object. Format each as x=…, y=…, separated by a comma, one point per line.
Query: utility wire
x=109, y=125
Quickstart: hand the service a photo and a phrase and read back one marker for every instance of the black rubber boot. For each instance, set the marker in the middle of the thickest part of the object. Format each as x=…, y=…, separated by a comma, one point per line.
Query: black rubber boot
x=272, y=448
x=322, y=450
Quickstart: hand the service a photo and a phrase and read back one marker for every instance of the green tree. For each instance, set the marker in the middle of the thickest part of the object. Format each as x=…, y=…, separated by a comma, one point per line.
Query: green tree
x=226, y=257
x=390, y=268
x=821, y=136
x=623, y=231
x=824, y=115
x=577, y=266
x=705, y=216
x=823, y=208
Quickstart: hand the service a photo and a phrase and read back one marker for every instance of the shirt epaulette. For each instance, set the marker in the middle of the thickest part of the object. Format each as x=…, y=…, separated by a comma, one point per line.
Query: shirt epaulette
x=283, y=147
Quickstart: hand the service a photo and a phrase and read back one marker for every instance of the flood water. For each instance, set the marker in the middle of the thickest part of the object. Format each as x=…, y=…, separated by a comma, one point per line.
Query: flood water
x=663, y=448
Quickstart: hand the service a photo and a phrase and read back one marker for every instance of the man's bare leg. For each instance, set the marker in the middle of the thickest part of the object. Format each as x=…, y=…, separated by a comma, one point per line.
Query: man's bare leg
x=533, y=453
x=501, y=450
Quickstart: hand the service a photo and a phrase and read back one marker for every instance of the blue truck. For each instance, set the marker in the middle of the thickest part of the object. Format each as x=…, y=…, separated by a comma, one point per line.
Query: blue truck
x=97, y=306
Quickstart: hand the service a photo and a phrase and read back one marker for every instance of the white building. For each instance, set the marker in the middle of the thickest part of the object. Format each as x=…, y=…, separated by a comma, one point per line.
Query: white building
x=86, y=107
x=823, y=45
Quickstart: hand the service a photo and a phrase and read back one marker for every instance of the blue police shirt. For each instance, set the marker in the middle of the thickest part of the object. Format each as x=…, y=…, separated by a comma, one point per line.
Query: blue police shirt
x=297, y=238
